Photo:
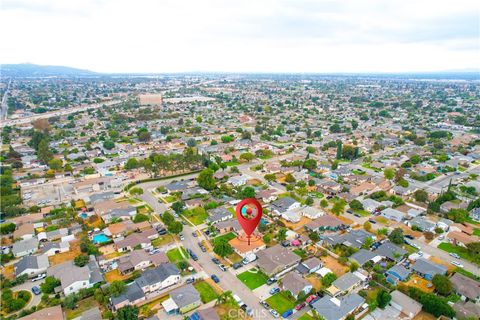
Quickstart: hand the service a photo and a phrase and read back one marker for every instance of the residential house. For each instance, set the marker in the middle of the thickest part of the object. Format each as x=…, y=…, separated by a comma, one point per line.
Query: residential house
x=331, y=308
x=295, y=284
x=405, y=304
x=53, y=248
x=461, y=239
x=238, y=181
x=466, y=310
x=467, y=288
x=24, y=231
x=284, y=204
x=397, y=273
x=51, y=313
x=185, y=298
x=218, y=214
x=326, y=222
x=205, y=314
x=136, y=260
x=370, y=205
x=243, y=249
x=475, y=214
x=354, y=238
x=73, y=278
x=362, y=256
x=363, y=189
x=25, y=247
x=31, y=265
x=311, y=212
x=267, y=196
x=345, y=284
x=391, y=251
x=134, y=240
x=276, y=259
x=449, y=205
x=427, y=269
x=291, y=216
x=393, y=214
x=310, y=265
x=178, y=186
x=228, y=226
x=422, y=224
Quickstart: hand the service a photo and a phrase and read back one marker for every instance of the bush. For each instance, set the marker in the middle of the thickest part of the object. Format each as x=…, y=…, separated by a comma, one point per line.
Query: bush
x=81, y=260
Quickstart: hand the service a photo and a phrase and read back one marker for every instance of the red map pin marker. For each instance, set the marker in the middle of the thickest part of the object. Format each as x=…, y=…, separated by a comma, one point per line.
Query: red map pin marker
x=249, y=224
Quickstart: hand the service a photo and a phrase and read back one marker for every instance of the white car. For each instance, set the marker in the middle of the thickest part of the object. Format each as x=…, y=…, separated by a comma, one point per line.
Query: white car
x=458, y=264
x=454, y=255
x=182, y=237
x=39, y=277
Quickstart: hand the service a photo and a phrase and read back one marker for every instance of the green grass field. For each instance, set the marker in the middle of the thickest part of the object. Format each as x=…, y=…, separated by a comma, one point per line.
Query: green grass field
x=174, y=255
x=207, y=293
x=227, y=237
x=476, y=232
x=196, y=216
x=280, y=302
x=300, y=253
x=253, y=280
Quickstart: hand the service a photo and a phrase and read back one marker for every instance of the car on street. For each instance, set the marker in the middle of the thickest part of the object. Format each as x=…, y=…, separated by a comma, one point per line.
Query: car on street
x=265, y=304
x=190, y=280
x=182, y=237
x=274, y=290
x=36, y=290
x=236, y=266
x=287, y=313
x=300, y=306
x=372, y=221
x=409, y=236
x=39, y=277
x=162, y=231
x=458, y=264
x=222, y=267
x=215, y=260
x=453, y=254
x=274, y=313
x=195, y=234
x=215, y=278
x=271, y=281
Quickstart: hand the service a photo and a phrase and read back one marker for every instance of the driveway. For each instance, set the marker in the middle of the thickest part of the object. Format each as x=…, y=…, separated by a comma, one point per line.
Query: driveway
x=27, y=286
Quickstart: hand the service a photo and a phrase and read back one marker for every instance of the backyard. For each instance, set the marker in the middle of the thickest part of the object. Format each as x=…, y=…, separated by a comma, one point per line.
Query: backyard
x=83, y=305
x=196, y=216
x=281, y=302
x=207, y=293
x=225, y=237
x=253, y=278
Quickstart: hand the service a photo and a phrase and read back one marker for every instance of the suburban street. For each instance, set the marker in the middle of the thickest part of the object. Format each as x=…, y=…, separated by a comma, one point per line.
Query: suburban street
x=4, y=106
x=27, y=286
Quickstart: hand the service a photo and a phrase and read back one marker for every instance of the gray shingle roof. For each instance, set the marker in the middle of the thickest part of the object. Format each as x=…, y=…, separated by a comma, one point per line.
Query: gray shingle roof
x=425, y=266
x=346, y=281
x=362, y=256
x=391, y=251
x=334, y=309
x=31, y=262
x=158, y=274
x=185, y=295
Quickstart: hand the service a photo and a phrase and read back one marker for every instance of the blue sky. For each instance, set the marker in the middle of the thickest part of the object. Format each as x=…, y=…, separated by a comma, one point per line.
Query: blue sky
x=243, y=35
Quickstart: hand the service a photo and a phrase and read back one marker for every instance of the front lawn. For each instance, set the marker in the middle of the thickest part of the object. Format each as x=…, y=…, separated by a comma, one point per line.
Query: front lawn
x=253, y=278
x=82, y=306
x=306, y=316
x=462, y=252
x=162, y=240
x=300, y=253
x=207, y=293
x=363, y=213
x=225, y=237
x=476, y=232
x=196, y=216
x=281, y=302
x=174, y=255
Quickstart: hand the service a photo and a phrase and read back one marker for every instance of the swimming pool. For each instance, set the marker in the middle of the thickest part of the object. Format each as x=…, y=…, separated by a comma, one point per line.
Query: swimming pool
x=100, y=238
x=83, y=215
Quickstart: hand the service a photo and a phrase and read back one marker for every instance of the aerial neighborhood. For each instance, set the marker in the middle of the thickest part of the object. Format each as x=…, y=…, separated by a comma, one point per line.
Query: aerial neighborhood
x=118, y=198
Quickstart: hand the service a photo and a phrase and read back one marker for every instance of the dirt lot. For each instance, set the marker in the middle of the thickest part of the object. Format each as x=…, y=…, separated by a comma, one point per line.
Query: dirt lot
x=113, y=275
x=347, y=221
x=315, y=281
x=407, y=230
x=420, y=283
x=8, y=272
x=332, y=264
x=66, y=256
x=295, y=226
x=449, y=266
x=424, y=316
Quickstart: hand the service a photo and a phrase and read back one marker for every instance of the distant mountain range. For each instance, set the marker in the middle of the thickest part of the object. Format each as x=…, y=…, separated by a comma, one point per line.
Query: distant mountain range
x=34, y=70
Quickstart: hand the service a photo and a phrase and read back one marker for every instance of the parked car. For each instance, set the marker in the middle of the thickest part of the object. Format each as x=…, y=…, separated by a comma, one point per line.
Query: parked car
x=162, y=231
x=222, y=267
x=274, y=313
x=244, y=307
x=195, y=234
x=236, y=266
x=372, y=221
x=349, y=211
x=285, y=243
x=182, y=237
x=249, y=312
x=300, y=306
x=458, y=264
x=36, y=290
x=215, y=278
x=190, y=280
x=409, y=236
x=215, y=260
x=39, y=277
x=287, y=313
x=271, y=281
x=311, y=298
x=265, y=304
x=357, y=215
x=274, y=290
x=453, y=254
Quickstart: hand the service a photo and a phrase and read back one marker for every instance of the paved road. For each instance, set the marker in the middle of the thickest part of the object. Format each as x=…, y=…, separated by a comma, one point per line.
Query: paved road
x=4, y=106
x=46, y=115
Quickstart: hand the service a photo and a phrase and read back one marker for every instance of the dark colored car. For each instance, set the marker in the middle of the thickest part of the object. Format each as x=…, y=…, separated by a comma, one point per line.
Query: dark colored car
x=36, y=290
x=215, y=260
x=215, y=278
x=372, y=221
x=285, y=243
x=162, y=231
x=236, y=266
x=409, y=236
x=271, y=281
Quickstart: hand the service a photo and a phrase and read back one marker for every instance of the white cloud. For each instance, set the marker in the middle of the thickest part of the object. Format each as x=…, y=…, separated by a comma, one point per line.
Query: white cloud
x=245, y=36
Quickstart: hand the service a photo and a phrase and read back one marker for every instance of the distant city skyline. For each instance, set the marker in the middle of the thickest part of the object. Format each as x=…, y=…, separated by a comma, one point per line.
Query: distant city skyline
x=243, y=36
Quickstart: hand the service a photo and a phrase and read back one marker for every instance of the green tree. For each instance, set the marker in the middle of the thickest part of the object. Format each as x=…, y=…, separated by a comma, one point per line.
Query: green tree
x=270, y=177
x=309, y=201
x=396, y=236
x=420, y=195
x=383, y=298
x=356, y=205
x=267, y=238
x=389, y=173
x=247, y=156
x=139, y=217
x=328, y=279
x=70, y=301
x=339, y=150
x=55, y=164
x=178, y=207
x=175, y=227
x=49, y=285
x=324, y=203
x=116, y=288
x=205, y=179
x=289, y=178
x=247, y=192
x=127, y=313
x=81, y=260
x=108, y=144
x=132, y=163
x=310, y=164
x=354, y=266
x=282, y=234
x=136, y=191
x=442, y=284
x=43, y=151
x=367, y=243
x=314, y=236
x=222, y=248
x=143, y=135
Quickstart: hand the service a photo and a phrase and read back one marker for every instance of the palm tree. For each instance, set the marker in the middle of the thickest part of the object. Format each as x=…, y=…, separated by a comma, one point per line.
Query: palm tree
x=224, y=297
